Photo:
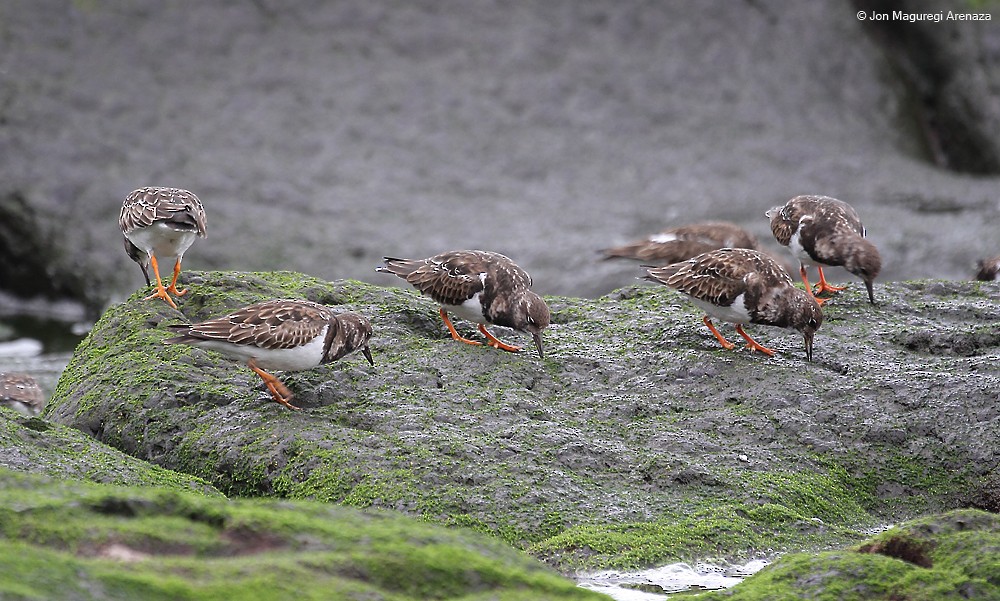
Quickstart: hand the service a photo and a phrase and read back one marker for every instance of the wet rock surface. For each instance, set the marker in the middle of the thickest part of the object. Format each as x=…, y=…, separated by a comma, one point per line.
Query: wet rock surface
x=322, y=136
x=636, y=441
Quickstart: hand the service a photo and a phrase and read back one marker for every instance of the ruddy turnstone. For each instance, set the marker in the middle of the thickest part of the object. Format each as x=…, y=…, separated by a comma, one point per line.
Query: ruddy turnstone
x=683, y=242
x=21, y=393
x=743, y=286
x=161, y=223
x=480, y=286
x=824, y=231
x=284, y=335
x=988, y=268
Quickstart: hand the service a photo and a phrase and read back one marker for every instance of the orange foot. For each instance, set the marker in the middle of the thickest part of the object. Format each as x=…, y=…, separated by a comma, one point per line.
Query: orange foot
x=752, y=344
x=825, y=286
x=725, y=343
x=161, y=292
x=805, y=280
x=495, y=343
x=454, y=333
x=279, y=392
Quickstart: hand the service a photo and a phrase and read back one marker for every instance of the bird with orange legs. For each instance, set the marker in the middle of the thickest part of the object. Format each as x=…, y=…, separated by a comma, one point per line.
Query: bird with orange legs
x=743, y=286
x=160, y=224
x=824, y=231
x=481, y=286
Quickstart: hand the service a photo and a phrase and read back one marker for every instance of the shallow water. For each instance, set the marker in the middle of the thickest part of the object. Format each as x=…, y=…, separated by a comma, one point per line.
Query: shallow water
x=658, y=583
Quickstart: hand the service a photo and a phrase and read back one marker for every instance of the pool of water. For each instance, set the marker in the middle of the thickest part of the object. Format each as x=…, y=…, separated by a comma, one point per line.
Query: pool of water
x=659, y=583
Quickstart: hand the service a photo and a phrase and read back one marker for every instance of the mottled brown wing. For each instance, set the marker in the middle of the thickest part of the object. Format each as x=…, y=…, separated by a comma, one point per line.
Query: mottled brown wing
x=683, y=242
x=718, y=276
x=839, y=215
x=145, y=206
x=273, y=324
x=453, y=277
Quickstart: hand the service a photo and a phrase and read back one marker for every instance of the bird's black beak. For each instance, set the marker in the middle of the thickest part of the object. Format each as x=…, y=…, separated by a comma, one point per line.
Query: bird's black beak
x=871, y=292
x=538, y=343
x=807, y=337
x=368, y=355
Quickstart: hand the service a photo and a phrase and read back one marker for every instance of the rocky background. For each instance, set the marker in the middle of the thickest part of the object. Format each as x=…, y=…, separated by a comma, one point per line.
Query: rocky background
x=323, y=135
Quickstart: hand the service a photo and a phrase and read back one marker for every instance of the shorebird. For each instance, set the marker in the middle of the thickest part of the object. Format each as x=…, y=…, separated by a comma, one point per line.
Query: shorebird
x=683, y=242
x=743, y=286
x=824, y=231
x=21, y=393
x=283, y=335
x=161, y=223
x=988, y=268
x=480, y=286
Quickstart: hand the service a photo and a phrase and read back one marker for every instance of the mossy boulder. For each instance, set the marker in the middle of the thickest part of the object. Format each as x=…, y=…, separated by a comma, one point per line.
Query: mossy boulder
x=950, y=556
x=38, y=446
x=77, y=540
x=636, y=440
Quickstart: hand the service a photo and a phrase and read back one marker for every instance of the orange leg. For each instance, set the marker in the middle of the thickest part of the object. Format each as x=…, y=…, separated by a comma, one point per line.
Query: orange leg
x=805, y=280
x=725, y=343
x=279, y=392
x=495, y=343
x=173, y=283
x=825, y=286
x=455, y=334
x=751, y=343
x=161, y=292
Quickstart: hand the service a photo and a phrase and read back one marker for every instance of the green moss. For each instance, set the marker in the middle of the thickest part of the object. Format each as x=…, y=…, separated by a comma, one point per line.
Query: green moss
x=952, y=556
x=85, y=541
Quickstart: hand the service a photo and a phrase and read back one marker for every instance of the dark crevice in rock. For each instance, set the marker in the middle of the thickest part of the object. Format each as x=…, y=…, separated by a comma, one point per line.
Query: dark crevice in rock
x=953, y=76
x=32, y=260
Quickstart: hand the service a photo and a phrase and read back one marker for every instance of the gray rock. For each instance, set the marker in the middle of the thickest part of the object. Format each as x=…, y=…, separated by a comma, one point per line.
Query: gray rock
x=637, y=440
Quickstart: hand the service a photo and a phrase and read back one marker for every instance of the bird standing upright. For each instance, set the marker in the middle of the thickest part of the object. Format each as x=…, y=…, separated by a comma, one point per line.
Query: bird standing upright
x=161, y=224
x=824, y=231
x=743, y=286
x=481, y=286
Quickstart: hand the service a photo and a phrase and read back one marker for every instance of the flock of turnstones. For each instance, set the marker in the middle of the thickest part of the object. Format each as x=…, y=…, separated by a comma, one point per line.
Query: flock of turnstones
x=718, y=266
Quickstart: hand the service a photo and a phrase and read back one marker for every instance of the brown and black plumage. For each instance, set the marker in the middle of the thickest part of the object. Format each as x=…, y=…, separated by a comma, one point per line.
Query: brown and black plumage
x=743, y=286
x=824, y=231
x=21, y=393
x=988, y=268
x=480, y=286
x=161, y=224
x=683, y=242
x=284, y=335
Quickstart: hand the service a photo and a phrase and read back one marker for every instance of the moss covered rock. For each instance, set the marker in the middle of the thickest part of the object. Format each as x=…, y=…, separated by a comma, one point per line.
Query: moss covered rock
x=637, y=440
x=38, y=446
x=76, y=540
x=950, y=556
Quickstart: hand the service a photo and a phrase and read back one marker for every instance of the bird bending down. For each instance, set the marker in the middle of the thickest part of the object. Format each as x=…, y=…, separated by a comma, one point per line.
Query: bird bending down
x=824, y=231
x=683, y=242
x=161, y=224
x=480, y=286
x=743, y=286
x=988, y=269
x=283, y=335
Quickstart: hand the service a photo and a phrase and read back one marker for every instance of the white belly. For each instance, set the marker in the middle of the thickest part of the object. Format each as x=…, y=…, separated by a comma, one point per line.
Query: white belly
x=162, y=240
x=470, y=310
x=799, y=253
x=735, y=313
x=294, y=359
